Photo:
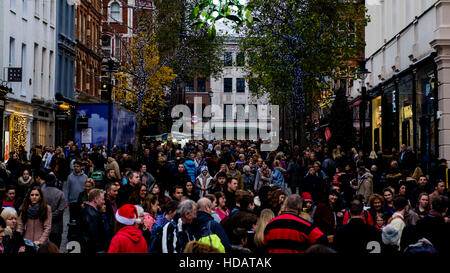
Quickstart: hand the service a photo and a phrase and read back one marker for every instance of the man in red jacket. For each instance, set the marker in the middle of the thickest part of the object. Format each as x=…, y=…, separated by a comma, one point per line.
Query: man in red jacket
x=129, y=238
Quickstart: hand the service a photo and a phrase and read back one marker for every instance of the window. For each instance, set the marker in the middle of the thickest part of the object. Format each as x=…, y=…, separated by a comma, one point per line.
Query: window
x=228, y=85
x=44, y=10
x=43, y=69
x=35, y=68
x=37, y=8
x=117, y=48
x=52, y=11
x=115, y=12
x=189, y=86
x=201, y=85
x=228, y=59
x=240, y=59
x=23, y=64
x=240, y=85
x=50, y=73
x=12, y=5
x=228, y=112
x=240, y=111
x=25, y=9
x=12, y=51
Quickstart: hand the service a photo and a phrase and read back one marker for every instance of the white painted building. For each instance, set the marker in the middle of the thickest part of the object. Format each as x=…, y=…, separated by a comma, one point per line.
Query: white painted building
x=408, y=90
x=232, y=93
x=29, y=39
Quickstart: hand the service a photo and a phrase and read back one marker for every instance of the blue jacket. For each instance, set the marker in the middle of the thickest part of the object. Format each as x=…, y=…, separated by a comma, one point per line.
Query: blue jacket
x=202, y=220
x=191, y=169
x=278, y=178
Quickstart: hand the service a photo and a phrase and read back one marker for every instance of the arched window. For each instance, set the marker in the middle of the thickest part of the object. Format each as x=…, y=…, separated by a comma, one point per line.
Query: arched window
x=115, y=12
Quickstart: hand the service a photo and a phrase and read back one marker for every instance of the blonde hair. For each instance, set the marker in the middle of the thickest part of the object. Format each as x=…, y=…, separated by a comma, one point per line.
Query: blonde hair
x=277, y=163
x=266, y=216
x=373, y=155
x=6, y=214
x=417, y=173
x=199, y=247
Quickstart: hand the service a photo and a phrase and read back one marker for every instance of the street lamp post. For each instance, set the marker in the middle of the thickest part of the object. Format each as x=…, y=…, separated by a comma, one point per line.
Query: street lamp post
x=362, y=74
x=109, y=85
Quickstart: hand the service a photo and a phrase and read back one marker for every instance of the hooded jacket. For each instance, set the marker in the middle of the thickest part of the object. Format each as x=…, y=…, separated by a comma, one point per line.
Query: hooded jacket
x=75, y=185
x=128, y=239
x=191, y=169
x=202, y=221
x=112, y=164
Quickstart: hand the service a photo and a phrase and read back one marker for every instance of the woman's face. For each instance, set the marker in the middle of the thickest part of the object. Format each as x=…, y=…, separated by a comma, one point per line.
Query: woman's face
x=423, y=202
x=222, y=202
x=189, y=187
x=332, y=198
x=155, y=207
x=388, y=196
x=35, y=197
x=155, y=189
x=377, y=204
x=214, y=204
x=143, y=192
x=26, y=175
x=11, y=222
x=309, y=205
x=402, y=190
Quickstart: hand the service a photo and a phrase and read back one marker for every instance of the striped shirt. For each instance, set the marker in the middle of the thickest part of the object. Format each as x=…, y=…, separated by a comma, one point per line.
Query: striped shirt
x=289, y=233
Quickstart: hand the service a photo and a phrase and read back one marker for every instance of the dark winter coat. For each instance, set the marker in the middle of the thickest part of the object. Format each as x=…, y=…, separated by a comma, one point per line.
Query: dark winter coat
x=92, y=231
x=353, y=237
x=202, y=221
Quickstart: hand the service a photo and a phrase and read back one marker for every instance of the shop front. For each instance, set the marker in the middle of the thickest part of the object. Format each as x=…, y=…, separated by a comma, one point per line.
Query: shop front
x=403, y=111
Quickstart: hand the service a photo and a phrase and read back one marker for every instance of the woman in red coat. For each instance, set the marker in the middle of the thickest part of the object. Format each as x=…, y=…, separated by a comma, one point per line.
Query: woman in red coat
x=128, y=238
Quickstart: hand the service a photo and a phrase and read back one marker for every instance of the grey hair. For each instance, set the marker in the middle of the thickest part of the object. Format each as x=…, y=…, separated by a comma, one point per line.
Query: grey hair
x=130, y=174
x=294, y=202
x=185, y=207
x=203, y=203
x=246, y=168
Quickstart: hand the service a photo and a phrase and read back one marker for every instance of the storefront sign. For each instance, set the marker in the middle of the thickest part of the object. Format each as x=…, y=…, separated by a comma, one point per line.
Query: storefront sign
x=86, y=136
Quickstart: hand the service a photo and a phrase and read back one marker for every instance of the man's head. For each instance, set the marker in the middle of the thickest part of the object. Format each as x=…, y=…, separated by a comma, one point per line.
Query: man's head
x=96, y=198
x=423, y=181
x=178, y=192
x=181, y=168
x=232, y=184
x=400, y=203
x=205, y=205
x=187, y=211
x=143, y=168
x=294, y=203
x=78, y=167
x=40, y=177
x=11, y=193
x=440, y=204
x=440, y=187
x=443, y=162
x=221, y=178
x=133, y=178
x=232, y=166
x=356, y=208
x=112, y=190
x=246, y=169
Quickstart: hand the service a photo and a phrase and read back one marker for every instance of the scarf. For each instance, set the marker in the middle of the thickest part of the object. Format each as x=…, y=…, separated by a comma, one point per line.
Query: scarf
x=23, y=182
x=33, y=211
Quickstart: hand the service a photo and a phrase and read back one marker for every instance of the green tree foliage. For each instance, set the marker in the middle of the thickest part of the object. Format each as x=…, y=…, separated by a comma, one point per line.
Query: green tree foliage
x=298, y=45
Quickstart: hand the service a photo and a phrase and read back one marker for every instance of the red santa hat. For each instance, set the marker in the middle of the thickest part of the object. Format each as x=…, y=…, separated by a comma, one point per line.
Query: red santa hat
x=306, y=196
x=127, y=214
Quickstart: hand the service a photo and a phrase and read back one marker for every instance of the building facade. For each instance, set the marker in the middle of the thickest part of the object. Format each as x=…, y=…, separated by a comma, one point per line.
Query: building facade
x=88, y=31
x=231, y=92
x=65, y=73
x=28, y=117
x=408, y=55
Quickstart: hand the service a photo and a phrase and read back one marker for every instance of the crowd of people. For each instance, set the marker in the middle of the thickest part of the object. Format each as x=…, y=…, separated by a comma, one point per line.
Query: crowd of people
x=224, y=197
